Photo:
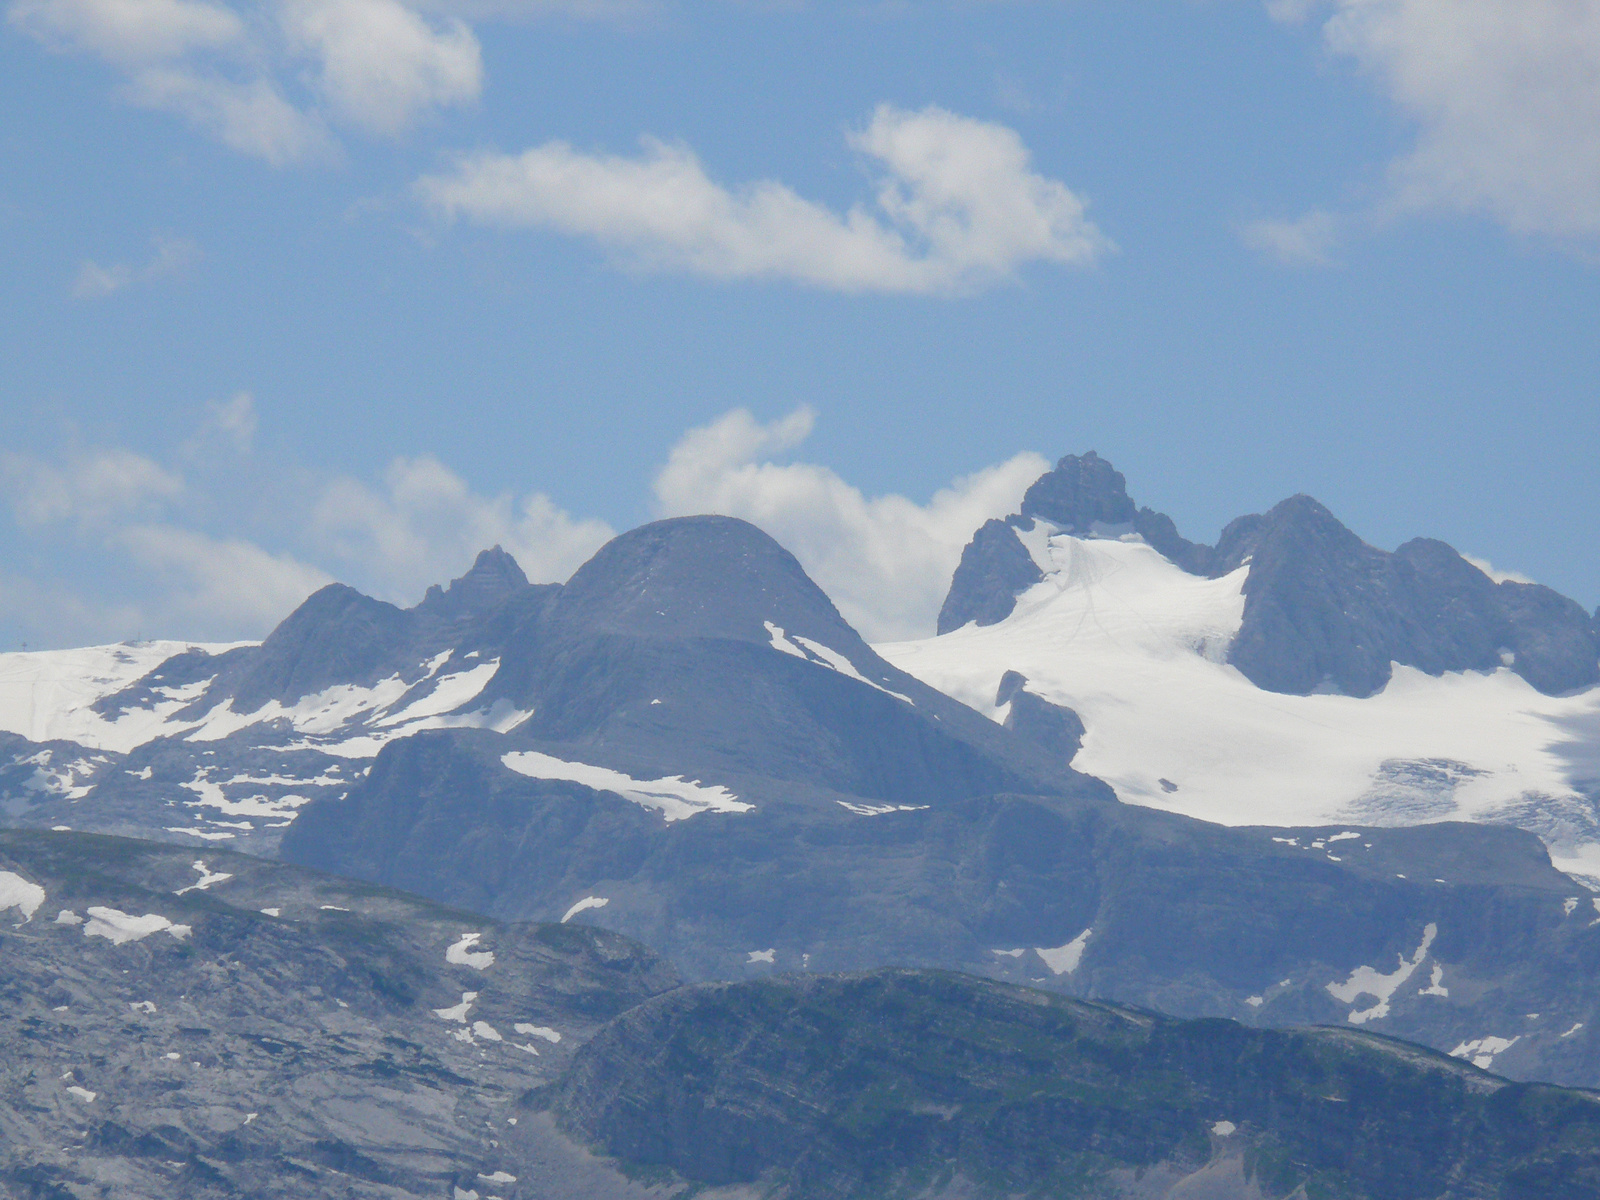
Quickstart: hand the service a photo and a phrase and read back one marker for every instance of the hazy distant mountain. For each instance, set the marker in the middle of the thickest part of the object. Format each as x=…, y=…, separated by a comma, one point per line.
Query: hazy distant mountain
x=687, y=743
x=1289, y=675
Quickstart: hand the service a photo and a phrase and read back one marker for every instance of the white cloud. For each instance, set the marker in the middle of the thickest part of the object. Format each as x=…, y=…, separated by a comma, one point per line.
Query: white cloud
x=376, y=65
x=957, y=207
x=1506, y=98
x=886, y=561
x=128, y=31
x=230, y=584
x=425, y=525
x=90, y=488
x=1306, y=242
x=380, y=63
x=233, y=420
x=1489, y=569
x=93, y=281
x=169, y=256
x=252, y=117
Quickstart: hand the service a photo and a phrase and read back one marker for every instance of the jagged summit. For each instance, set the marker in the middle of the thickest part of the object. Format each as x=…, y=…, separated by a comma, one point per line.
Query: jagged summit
x=494, y=577
x=1322, y=609
x=1080, y=494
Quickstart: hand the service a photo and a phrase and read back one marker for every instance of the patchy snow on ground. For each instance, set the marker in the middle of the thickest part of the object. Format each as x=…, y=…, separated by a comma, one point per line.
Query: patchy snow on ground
x=1064, y=960
x=1138, y=649
x=584, y=905
x=206, y=880
x=762, y=956
x=1482, y=1051
x=462, y=954
x=18, y=893
x=878, y=810
x=674, y=797
x=457, y=1012
x=49, y=695
x=811, y=651
x=1368, y=981
x=538, y=1031
x=118, y=927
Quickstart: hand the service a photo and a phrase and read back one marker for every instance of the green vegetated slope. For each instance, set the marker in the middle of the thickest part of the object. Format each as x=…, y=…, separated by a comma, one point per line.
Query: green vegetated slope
x=925, y=1083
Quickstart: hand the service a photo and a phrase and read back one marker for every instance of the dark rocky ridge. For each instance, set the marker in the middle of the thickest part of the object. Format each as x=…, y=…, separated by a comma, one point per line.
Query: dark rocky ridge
x=1323, y=610
x=924, y=1084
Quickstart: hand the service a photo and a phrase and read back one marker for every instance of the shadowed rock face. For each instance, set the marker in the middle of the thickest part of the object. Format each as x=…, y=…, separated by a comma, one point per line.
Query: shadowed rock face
x=1323, y=610
x=918, y=1083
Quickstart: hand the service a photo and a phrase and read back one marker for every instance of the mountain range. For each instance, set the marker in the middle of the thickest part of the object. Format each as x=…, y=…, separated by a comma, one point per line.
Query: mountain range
x=1289, y=780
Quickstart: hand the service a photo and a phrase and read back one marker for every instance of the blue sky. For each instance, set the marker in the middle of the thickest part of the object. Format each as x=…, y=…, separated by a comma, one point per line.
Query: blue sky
x=312, y=289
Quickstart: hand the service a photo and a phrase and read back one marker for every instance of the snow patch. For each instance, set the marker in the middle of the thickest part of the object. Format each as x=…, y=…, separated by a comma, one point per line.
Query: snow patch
x=82, y=1093
x=762, y=956
x=673, y=797
x=67, y=917
x=1224, y=1129
x=206, y=880
x=1576, y=1026
x=878, y=810
x=118, y=927
x=462, y=954
x=16, y=892
x=1482, y=1051
x=1435, y=985
x=824, y=656
x=1255, y=1001
x=1368, y=981
x=487, y=1031
x=538, y=1031
x=457, y=1012
x=584, y=905
x=1064, y=960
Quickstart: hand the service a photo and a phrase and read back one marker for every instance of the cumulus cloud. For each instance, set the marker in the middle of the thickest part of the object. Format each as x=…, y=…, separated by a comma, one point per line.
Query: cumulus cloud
x=380, y=64
x=1506, y=99
x=129, y=31
x=89, y=488
x=227, y=583
x=169, y=256
x=424, y=525
x=376, y=65
x=886, y=561
x=957, y=207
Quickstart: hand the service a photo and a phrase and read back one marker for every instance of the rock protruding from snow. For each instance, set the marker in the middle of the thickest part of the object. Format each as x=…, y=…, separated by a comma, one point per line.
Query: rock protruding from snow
x=1324, y=611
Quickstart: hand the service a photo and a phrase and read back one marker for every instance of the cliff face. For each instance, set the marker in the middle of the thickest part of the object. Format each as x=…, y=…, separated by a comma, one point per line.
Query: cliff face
x=902, y=1083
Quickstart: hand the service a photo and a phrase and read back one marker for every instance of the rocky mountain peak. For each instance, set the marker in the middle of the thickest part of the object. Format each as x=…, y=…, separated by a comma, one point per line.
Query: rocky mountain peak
x=494, y=576
x=1079, y=494
x=703, y=576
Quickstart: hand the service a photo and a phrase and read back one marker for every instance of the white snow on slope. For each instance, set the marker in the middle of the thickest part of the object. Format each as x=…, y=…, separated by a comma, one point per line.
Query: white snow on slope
x=1368, y=981
x=812, y=651
x=1064, y=960
x=462, y=954
x=49, y=695
x=16, y=892
x=585, y=905
x=1482, y=1050
x=1138, y=649
x=674, y=797
x=206, y=880
x=118, y=927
